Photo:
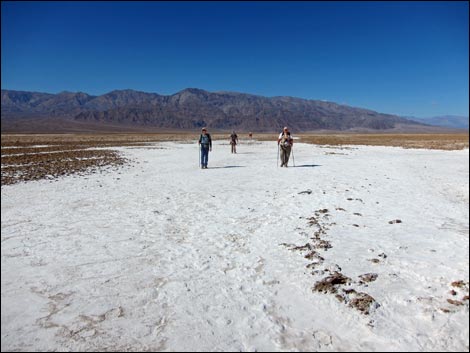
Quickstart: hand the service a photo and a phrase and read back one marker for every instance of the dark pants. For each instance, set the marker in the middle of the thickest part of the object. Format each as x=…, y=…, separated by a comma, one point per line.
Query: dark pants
x=204, y=156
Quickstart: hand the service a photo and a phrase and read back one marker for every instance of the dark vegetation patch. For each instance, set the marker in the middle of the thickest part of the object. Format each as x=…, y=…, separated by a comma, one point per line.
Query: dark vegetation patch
x=35, y=157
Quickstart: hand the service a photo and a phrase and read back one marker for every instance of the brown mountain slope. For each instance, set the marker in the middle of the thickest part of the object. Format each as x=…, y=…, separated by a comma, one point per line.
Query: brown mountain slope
x=187, y=109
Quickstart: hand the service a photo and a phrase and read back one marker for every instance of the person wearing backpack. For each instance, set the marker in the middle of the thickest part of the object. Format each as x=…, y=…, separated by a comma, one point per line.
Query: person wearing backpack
x=205, y=142
x=234, y=141
x=285, y=142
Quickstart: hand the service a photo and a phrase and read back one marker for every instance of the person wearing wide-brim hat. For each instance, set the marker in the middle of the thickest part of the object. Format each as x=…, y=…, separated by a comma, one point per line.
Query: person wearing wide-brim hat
x=205, y=142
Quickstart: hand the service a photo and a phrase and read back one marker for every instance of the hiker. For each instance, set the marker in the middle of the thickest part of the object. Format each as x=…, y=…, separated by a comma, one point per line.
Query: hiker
x=206, y=145
x=234, y=141
x=285, y=142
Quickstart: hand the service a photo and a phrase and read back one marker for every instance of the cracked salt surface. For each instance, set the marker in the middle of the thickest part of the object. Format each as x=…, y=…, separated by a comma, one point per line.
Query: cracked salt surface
x=161, y=255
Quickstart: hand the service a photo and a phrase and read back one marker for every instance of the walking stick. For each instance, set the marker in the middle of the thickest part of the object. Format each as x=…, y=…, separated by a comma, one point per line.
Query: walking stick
x=293, y=158
x=199, y=154
x=277, y=162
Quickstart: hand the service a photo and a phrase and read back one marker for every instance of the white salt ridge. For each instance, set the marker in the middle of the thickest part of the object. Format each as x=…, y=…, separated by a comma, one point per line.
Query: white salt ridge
x=161, y=255
x=31, y=146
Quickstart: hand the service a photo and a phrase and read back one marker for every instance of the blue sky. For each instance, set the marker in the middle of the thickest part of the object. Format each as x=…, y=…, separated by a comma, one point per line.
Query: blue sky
x=405, y=58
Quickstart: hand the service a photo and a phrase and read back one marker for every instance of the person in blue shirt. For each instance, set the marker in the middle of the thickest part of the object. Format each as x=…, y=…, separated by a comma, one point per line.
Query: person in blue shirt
x=205, y=142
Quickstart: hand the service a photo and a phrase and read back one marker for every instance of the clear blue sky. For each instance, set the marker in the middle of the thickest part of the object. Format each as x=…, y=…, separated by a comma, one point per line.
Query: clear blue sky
x=405, y=58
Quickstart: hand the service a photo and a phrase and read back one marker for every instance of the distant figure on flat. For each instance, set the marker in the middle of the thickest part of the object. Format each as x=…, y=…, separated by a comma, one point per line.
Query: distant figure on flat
x=250, y=135
x=234, y=141
x=285, y=143
x=205, y=142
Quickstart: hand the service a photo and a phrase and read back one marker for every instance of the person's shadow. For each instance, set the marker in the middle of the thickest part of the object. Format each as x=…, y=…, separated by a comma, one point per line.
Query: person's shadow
x=307, y=166
x=227, y=166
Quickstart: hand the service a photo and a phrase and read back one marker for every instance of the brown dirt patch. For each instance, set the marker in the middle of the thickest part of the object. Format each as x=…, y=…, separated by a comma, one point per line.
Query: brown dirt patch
x=368, y=277
x=455, y=141
x=435, y=141
x=331, y=283
x=363, y=302
x=35, y=157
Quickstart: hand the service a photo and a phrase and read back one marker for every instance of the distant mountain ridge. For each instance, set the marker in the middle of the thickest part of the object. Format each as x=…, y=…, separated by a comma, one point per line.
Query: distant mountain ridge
x=450, y=121
x=188, y=109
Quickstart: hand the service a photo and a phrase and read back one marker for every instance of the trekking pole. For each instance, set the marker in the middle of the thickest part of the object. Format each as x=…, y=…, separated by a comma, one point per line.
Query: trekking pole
x=199, y=156
x=293, y=158
x=277, y=162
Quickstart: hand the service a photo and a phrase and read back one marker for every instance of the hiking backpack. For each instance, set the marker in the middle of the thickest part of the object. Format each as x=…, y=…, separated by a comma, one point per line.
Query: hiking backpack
x=205, y=140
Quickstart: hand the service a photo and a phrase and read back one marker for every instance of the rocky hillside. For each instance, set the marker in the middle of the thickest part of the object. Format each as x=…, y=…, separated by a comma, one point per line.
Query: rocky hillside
x=189, y=109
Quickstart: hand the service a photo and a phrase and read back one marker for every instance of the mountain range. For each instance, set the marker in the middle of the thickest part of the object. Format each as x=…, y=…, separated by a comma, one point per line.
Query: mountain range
x=129, y=110
x=450, y=121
